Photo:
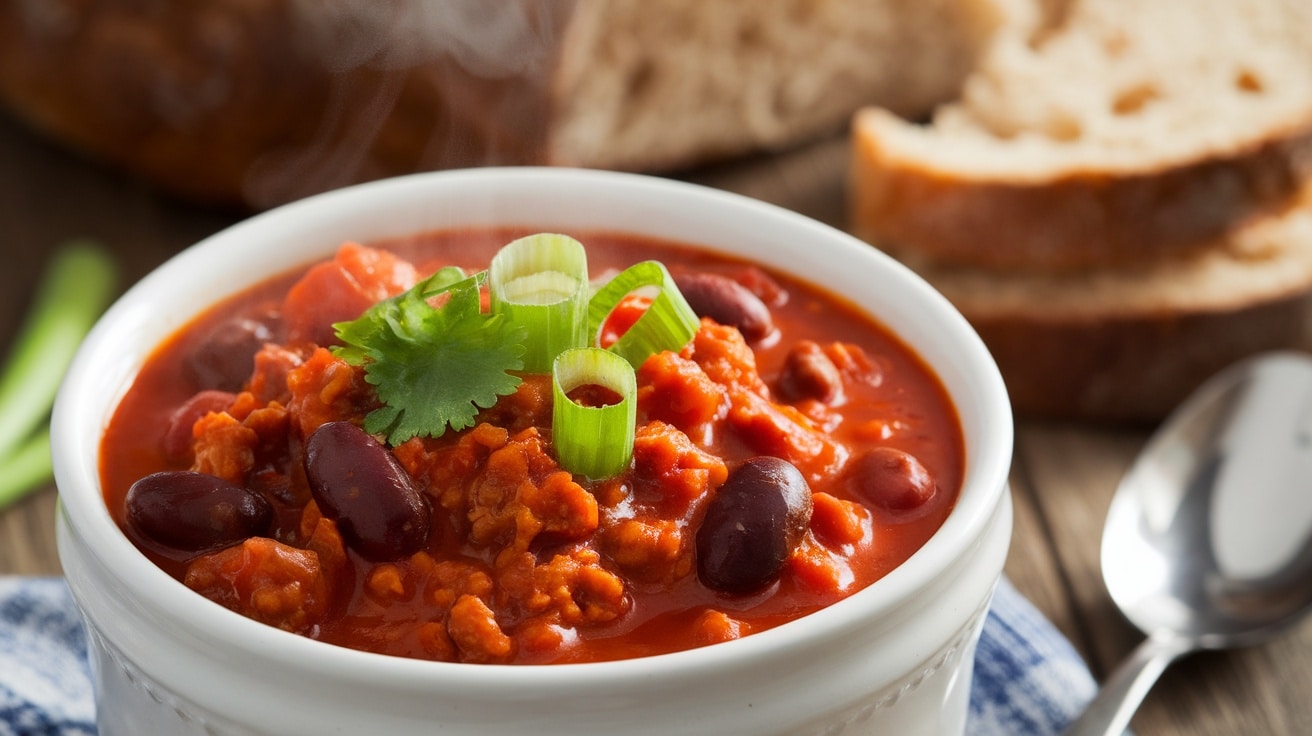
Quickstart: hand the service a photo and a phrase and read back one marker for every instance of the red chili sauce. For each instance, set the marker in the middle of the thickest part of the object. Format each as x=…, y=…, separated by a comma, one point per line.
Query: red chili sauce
x=523, y=562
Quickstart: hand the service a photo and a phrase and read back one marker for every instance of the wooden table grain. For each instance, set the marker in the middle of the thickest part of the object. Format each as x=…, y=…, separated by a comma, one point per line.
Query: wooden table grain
x=1062, y=477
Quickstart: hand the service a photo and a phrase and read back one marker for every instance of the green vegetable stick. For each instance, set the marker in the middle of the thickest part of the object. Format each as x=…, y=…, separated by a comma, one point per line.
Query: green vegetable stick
x=25, y=469
x=72, y=294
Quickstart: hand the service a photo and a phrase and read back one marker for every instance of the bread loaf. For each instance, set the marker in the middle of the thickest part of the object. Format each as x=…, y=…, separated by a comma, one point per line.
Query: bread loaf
x=1128, y=343
x=263, y=101
x=1124, y=129
x=1119, y=202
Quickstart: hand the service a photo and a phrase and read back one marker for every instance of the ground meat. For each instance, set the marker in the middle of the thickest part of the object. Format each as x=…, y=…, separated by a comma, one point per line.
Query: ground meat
x=265, y=580
x=649, y=550
x=726, y=358
x=674, y=471
x=224, y=447
x=676, y=390
x=521, y=493
x=325, y=389
x=781, y=431
x=272, y=364
x=446, y=468
x=713, y=627
x=474, y=631
x=838, y=523
x=573, y=587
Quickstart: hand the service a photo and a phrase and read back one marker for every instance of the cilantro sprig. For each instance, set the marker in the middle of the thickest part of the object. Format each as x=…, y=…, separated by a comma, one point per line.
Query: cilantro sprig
x=433, y=366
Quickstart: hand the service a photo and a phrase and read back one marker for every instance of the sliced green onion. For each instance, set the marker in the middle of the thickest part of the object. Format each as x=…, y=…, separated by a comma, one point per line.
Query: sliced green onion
x=26, y=468
x=70, y=297
x=668, y=324
x=541, y=282
x=593, y=441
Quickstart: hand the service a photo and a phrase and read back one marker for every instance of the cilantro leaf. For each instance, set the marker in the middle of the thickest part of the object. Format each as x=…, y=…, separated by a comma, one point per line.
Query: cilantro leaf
x=360, y=335
x=432, y=367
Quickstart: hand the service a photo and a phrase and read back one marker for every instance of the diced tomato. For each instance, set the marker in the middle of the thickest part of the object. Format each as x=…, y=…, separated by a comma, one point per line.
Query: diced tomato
x=342, y=289
x=622, y=317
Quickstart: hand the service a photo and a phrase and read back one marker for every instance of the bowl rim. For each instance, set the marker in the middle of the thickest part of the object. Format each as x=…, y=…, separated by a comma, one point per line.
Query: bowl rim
x=76, y=456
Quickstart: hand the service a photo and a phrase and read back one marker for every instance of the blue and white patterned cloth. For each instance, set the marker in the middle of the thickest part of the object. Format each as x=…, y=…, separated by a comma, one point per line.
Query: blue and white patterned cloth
x=1028, y=679
x=45, y=678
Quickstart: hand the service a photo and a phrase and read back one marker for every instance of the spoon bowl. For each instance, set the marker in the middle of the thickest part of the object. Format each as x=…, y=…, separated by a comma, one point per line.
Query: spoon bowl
x=1208, y=540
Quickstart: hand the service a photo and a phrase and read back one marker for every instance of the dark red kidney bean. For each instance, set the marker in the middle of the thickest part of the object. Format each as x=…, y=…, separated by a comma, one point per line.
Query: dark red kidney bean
x=752, y=524
x=728, y=302
x=177, y=438
x=360, y=485
x=763, y=285
x=192, y=511
x=226, y=357
x=890, y=479
x=808, y=373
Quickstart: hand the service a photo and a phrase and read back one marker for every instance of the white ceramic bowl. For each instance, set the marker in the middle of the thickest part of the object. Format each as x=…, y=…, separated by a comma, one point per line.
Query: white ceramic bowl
x=893, y=658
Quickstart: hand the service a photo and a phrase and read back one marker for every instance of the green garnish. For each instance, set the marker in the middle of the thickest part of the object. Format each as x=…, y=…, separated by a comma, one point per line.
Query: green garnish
x=433, y=367
x=435, y=358
x=26, y=468
x=541, y=282
x=593, y=441
x=668, y=324
x=72, y=294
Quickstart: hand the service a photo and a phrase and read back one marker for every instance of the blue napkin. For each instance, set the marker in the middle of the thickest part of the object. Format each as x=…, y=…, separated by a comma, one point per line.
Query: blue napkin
x=1028, y=679
x=45, y=678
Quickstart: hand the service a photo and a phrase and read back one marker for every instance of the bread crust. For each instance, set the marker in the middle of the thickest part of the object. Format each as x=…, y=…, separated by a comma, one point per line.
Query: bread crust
x=1127, y=344
x=1068, y=220
x=240, y=103
x=258, y=102
x=1119, y=203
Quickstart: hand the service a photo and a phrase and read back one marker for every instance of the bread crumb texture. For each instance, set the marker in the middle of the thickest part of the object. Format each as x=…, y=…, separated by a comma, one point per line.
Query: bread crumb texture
x=1124, y=85
x=1110, y=130
x=1120, y=200
x=643, y=84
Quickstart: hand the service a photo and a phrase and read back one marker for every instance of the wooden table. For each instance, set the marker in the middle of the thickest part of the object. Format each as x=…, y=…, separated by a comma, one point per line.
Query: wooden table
x=1062, y=477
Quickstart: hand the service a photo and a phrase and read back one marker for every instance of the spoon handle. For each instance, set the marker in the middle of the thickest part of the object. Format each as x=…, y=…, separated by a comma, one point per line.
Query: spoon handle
x=1109, y=713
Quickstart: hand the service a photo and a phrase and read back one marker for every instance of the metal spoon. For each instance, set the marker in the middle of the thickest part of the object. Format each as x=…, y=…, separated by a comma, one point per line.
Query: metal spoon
x=1208, y=542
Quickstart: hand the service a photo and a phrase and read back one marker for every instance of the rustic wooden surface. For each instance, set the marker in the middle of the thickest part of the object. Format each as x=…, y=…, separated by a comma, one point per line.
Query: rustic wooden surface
x=1062, y=477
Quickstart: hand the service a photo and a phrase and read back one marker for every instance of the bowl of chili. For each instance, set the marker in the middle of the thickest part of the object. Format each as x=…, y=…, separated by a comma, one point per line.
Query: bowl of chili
x=796, y=529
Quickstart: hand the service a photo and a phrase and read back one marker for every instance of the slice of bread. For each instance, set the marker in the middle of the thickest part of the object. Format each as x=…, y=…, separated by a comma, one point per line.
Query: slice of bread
x=651, y=86
x=263, y=101
x=1122, y=129
x=1128, y=343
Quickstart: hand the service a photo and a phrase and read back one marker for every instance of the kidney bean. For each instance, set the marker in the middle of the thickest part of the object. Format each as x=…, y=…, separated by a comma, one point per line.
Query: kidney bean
x=360, y=485
x=763, y=285
x=808, y=373
x=890, y=479
x=225, y=358
x=728, y=302
x=192, y=511
x=752, y=524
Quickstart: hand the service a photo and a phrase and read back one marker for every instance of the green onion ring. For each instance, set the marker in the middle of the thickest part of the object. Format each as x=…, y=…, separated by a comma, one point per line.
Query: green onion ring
x=593, y=441
x=668, y=324
x=541, y=282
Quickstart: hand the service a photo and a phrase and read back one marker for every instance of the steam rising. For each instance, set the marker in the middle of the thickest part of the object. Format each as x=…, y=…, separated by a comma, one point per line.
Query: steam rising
x=488, y=39
x=374, y=53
